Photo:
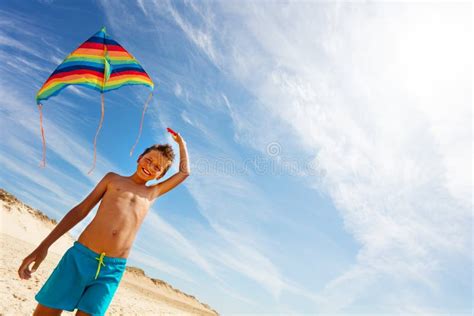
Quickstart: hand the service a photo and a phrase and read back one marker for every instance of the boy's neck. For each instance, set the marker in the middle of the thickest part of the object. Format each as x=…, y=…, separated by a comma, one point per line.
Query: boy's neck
x=135, y=178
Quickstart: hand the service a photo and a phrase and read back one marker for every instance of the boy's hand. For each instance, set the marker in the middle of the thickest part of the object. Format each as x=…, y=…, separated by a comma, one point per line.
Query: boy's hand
x=37, y=257
x=176, y=136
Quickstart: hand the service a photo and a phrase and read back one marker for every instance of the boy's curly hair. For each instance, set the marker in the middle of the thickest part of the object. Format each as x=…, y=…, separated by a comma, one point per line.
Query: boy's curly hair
x=166, y=150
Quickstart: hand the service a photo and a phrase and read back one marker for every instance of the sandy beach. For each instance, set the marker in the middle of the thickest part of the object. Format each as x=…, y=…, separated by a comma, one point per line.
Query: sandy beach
x=22, y=227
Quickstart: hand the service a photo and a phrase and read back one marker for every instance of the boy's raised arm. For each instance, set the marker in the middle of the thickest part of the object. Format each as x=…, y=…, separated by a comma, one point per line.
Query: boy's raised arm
x=181, y=175
x=74, y=216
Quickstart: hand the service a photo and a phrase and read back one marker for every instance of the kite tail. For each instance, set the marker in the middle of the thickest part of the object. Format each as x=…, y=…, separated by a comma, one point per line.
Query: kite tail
x=141, y=122
x=43, y=162
x=98, y=129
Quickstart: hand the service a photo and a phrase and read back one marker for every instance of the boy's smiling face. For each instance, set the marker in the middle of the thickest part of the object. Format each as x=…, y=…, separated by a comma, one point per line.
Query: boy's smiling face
x=151, y=165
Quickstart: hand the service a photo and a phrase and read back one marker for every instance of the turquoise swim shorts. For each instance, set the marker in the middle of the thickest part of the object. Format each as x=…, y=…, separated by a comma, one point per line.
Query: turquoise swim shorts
x=83, y=279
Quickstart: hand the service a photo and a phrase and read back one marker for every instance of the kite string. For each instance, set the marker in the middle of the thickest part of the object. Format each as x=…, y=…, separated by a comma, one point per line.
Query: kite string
x=43, y=162
x=98, y=129
x=141, y=122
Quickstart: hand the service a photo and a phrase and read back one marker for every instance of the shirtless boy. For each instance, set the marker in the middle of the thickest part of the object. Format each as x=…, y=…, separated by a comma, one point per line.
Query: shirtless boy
x=89, y=273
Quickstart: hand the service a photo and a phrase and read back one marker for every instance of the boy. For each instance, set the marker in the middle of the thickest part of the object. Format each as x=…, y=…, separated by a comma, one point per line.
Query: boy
x=89, y=273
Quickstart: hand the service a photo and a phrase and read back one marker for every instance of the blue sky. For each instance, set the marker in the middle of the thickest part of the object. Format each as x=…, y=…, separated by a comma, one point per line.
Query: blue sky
x=330, y=145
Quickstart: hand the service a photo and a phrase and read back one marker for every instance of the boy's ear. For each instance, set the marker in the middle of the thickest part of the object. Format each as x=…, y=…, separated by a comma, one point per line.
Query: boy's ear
x=139, y=157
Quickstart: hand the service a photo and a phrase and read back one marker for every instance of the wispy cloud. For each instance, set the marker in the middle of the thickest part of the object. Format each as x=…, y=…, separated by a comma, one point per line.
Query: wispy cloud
x=146, y=259
x=387, y=195
x=242, y=255
x=81, y=93
x=34, y=39
x=200, y=36
x=155, y=227
x=78, y=153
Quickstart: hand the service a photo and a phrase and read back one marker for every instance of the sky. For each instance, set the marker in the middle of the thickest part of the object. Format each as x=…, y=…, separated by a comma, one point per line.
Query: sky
x=330, y=145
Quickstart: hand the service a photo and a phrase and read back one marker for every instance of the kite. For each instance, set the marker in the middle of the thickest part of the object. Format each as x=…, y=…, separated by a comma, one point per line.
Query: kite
x=99, y=63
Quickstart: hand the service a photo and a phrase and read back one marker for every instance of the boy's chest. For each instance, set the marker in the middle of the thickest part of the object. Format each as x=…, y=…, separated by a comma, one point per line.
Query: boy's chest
x=124, y=195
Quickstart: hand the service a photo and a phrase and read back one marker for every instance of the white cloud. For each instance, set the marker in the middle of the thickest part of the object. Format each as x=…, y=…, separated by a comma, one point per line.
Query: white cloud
x=397, y=165
x=242, y=255
x=153, y=223
x=71, y=148
x=144, y=258
x=142, y=6
x=80, y=92
x=16, y=25
x=13, y=43
x=178, y=90
x=201, y=37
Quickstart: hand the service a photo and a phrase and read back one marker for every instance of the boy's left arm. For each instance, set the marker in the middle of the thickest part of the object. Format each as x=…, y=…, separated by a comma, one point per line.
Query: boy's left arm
x=184, y=171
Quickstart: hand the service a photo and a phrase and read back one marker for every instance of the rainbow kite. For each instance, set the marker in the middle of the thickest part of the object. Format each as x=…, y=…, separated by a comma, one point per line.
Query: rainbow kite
x=99, y=63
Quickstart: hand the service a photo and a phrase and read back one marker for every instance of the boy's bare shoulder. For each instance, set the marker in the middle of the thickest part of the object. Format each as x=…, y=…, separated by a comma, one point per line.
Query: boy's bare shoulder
x=111, y=175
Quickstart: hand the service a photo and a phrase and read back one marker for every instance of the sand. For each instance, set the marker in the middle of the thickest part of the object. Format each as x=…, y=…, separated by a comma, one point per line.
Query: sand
x=23, y=227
